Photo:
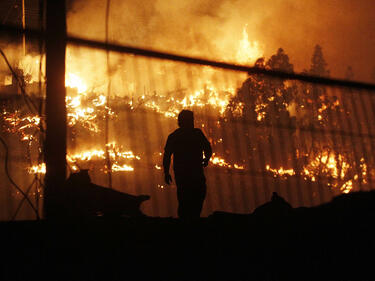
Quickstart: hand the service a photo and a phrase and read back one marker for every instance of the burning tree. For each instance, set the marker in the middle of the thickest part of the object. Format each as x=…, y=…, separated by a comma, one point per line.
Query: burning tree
x=262, y=103
x=280, y=128
x=298, y=126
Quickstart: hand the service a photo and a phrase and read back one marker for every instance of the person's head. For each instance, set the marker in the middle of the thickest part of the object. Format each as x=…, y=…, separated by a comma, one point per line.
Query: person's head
x=186, y=119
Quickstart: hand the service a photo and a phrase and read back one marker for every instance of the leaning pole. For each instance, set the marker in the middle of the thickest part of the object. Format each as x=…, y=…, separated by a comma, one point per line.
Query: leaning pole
x=55, y=110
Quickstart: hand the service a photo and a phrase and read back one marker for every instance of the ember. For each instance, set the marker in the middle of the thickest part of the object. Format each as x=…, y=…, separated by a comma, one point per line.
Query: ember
x=258, y=126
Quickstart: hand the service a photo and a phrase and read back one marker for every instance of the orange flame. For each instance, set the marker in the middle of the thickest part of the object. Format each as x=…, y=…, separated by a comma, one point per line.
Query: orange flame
x=248, y=52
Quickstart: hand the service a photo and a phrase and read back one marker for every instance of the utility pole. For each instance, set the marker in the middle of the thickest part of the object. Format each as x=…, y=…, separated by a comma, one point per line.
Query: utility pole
x=55, y=143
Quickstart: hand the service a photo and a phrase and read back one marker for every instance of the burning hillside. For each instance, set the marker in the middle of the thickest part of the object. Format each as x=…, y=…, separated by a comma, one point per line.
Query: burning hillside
x=120, y=108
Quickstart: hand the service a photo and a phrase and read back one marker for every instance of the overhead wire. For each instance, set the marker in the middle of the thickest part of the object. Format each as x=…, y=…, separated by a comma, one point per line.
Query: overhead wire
x=156, y=54
x=6, y=161
x=24, y=198
x=29, y=104
x=198, y=61
x=33, y=109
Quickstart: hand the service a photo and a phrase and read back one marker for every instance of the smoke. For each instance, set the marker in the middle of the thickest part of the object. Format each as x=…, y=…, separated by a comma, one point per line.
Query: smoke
x=212, y=28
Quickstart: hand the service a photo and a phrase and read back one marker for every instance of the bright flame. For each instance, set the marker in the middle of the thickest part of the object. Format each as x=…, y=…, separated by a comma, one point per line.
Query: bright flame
x=122, y=168
x=219, y=161
x=239, y=167
x=86, y=115
x=37, y=169
x=116, y=155
x=259, y=109
x=329, y=164
x=347, y=187
x=216, y=160
x=25, y=126
x=281, y=171
x=85, y=109
x=248, y=52
x=208, y=96
x=74, y=81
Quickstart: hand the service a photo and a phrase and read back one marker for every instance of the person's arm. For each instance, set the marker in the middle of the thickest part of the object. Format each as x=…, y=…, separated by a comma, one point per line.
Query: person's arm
x=207, y=150
x=167, y=162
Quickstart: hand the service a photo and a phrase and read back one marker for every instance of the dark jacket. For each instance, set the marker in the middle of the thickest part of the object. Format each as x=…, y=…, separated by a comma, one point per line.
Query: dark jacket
x=187, y=146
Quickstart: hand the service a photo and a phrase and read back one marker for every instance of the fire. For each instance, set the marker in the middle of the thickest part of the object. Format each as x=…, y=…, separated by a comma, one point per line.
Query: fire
x=248, y=52
x=347, y=187
x=25, y=126
x=87, y=155
x=86, y=115
x=239, y=167
x=326, y=164
x=74, y=81
x=86, y=105
x=329, y=163
x=259, y=109
x=116, y=154
x=210, y=95
x=37, y=169
x=122, y=168
x=281, y=171
x=219, y=161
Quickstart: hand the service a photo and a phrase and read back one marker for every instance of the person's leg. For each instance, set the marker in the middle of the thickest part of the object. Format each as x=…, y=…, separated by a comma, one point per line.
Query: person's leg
x=199, y=196
x=190, y=195
x=181, y=210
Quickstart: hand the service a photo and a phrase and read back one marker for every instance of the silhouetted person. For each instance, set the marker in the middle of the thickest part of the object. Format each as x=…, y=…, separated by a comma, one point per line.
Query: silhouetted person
x=187, y=145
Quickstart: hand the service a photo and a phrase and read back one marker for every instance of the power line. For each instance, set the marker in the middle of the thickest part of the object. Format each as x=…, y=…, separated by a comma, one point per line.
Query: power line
x=12, y=181
x=193, y=60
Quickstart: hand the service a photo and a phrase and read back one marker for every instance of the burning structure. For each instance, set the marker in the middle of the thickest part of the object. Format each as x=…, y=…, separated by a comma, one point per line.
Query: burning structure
x=306, y=141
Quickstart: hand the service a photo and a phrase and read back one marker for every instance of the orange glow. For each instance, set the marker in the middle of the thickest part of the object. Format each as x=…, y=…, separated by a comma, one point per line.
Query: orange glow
x=347, y=186
x=248, y=51
x=239, y=167
x=217, y=98
x=334, y=166
x=122, y=168
x=86, y=105
x=24, y=126
x=37, y=169
x=219, y=161
x=116, y=153
x=74, y=81
x=281, y=171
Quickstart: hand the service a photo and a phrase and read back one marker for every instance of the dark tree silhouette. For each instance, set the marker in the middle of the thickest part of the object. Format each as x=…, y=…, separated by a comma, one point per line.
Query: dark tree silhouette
x=297, y=125
x=263, y=103
x=318, y=63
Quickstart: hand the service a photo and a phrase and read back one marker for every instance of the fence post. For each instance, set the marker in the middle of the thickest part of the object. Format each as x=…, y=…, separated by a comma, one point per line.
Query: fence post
x=55, y=142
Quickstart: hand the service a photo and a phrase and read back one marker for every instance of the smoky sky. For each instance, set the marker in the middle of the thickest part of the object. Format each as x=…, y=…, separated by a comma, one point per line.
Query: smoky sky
x=212, y=28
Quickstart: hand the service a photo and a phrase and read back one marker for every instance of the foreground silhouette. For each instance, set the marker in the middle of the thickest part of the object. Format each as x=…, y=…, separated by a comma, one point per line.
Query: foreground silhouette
x=333, y=241
x=187, y=145
x=82, y=198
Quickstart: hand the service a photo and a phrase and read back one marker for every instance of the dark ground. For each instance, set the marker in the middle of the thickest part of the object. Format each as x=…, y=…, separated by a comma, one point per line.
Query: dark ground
x=334, y=241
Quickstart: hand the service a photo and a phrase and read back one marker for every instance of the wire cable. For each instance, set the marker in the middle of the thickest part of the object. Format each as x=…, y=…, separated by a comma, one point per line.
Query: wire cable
x=24, y=198
x=30, y=104
x=12, y=181
x=198, y=61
